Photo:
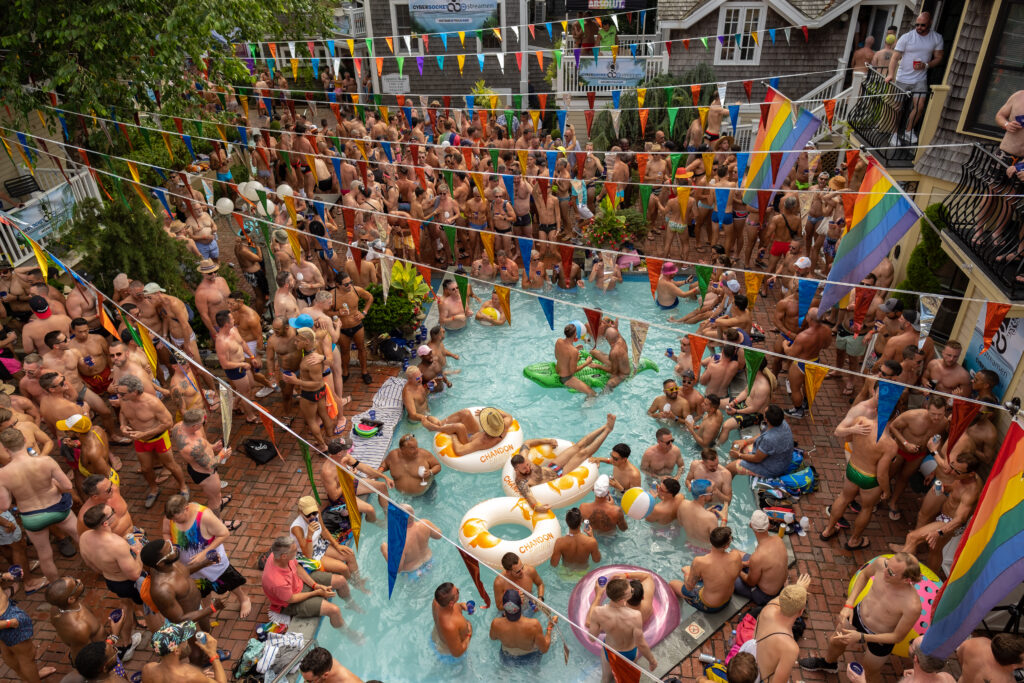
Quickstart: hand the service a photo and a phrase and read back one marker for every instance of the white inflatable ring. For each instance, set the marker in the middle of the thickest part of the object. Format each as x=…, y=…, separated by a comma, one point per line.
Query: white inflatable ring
x=564, y=491
x=475, y=535
x=479, y=461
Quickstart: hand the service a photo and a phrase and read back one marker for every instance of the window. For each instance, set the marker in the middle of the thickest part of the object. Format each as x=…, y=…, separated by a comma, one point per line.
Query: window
x=742, y=19
x=401, y=24
x=1000, y=71
x=488, y=42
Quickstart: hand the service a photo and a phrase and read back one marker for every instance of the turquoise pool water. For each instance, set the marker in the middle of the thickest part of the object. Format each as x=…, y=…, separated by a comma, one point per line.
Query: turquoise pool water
x=398, y=646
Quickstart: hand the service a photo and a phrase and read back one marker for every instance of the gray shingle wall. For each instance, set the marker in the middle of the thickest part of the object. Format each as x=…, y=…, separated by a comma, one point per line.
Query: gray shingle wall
x=820, y=53
x=945, y=163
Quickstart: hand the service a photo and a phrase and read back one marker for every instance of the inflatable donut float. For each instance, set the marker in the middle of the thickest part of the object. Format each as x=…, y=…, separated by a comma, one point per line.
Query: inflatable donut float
x=476, y=537
x=927, y=589
x=664, y=617
x=564, y=491
x=487, y=460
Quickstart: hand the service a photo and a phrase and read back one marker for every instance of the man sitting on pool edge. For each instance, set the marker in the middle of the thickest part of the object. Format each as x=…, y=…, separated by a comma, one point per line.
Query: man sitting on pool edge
x=709, y=581
x=469, y=432
x=528, y=475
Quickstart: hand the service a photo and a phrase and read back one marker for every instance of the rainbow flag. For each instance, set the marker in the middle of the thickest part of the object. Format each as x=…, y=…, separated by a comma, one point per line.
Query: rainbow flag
x=779, y=132
x=882, y=214
x=989, y=563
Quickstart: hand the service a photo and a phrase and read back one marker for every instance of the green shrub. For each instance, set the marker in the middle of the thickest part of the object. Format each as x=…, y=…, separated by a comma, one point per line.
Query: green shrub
x=397, y=313
x=926, y=259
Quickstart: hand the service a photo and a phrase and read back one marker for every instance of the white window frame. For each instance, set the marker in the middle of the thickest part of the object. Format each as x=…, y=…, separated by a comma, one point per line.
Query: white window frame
x=503, y=24
x=744, y=8
x=415, y=44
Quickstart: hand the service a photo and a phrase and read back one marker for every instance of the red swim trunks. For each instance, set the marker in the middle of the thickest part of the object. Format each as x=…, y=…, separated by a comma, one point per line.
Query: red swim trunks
x=98, y=383
x=779, y=248
x=158, y=444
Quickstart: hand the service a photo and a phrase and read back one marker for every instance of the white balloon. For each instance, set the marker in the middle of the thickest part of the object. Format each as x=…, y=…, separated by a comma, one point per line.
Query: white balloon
x=285, y=190
x=250, y=191
x=269, y=211
x=225, y=206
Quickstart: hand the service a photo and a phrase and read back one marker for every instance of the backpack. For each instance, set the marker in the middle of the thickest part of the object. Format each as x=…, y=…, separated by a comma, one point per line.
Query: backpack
x=801, y=482
x=260, y=451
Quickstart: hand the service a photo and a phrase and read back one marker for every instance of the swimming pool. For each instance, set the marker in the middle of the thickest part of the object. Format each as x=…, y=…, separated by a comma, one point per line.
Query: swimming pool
x=398, y=645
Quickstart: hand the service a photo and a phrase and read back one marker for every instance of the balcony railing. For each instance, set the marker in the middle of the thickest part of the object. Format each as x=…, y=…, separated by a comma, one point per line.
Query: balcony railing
x=350, y=21
x=988, y=228
x=650, y=61
x=880, y=117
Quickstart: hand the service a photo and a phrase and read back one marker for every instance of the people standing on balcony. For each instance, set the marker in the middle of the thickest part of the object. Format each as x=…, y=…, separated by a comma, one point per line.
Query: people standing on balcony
x=916, y=51
x=881, y=60
x=863, y=56
x=1005, y=179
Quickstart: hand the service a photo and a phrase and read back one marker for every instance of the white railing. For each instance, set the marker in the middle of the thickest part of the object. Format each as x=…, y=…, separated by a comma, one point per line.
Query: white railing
x=349, y=20
x=650, y=61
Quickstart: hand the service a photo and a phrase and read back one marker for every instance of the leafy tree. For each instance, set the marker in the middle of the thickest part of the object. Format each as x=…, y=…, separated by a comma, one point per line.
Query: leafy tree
x=103, y=52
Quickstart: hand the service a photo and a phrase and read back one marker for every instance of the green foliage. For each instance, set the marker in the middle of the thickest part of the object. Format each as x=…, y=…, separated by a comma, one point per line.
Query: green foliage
x=551, y=68
x=612, y=228
x=397, y=313
x=603, y=133
x=107, y=53
x=407, y=281
x=481, y=88
x=927, y=258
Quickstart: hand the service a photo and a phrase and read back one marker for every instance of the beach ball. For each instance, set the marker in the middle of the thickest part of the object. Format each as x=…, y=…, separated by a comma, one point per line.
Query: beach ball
x=489, y=312
x=637, y=503
x=927, y=590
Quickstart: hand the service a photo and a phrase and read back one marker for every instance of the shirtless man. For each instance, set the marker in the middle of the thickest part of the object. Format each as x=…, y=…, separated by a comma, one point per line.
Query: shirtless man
x=176, y=646
x=578, y=547
x=99, y=490
x=123, y=364
x=285, y=304
x=188, y=438
x=184, y=390
x=776, y=647
x=211, y=295
x=622, y=625
x=414, y=395
x=880, y=60
x=145, y=420
x=807, y=346
x=82, y=303
x=567, y=363
x=709, y=581
x=719, y=371
x=42, y=493
x=786, y=319
x=747, y=408
x=616, y=360
x=945, y=372
x=452, y=631
x=69, y=362
x=549, y=219
x=604, y=514
x=666, y=510
x=783, y=227
x=867, y=471
x=250, y=328
x=35, y=438
x=883, y=618
x=309, y=380
x=171, y=588
x=237, y=361
x=661, y=459
x=984, y=660
x=962, y=495
x=452, y=312
x=250, y=265
x=345, y=305
x=719, y=488
x=90, y=447
x=42, y=323
x=669, y=405
x=77, y=625
x=625, y=475
x=321, y=667
x=912, y=430
x=283, y=357
x=706, y=432
x=413, y=468
x=522, y=638
x=764, y=571
x=308, y=281
x=522, y=189
x=95, y=353
x=416, y=555
x=863, y=56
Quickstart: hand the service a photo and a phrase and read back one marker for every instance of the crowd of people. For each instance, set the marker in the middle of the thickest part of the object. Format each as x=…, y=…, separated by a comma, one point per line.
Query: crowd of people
x=80, y=395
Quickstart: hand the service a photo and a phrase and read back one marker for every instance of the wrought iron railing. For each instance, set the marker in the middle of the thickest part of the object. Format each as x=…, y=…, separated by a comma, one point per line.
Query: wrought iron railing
x=880, y=118
x=989, y=227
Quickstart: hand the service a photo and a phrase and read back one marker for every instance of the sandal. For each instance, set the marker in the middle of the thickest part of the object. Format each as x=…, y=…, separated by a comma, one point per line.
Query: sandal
x=828, y=538
x=151, y=499
x=225, y=500
x=895, y=515
x=340, y=429
x=367, y=378
x=842, y=523
x=864, y=543
x=233, y=525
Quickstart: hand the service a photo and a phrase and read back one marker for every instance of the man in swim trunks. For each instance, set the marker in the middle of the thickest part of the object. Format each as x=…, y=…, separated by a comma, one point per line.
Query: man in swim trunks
x=522, y=639
x=188, y=438
x=414, y=395
x=98, y=490
x=709, y=581
x=784, y=227
x=42, y=493
x=625, y=474
x=416, y=556
x=309, y=380
x=576, y=549
x=69, y=362
x=237, y=360
x=567, y=356
x=912, y=430
x=662, y=459
x=413, y=468
x=883, y=618
x=806, y=347
x=605, y=514
x=622, y=625
x=667, y=292
x=452, y=631
x=867, y=471
x=720, y=489
x=211, y=295
x=95, y=368
x=283, y=358
x=77, y=625
x=345, y=305
x=90, y=448
x=472, y=431
x=145, y=419
x=616, y=360
x=764, y=571
x=250, y=327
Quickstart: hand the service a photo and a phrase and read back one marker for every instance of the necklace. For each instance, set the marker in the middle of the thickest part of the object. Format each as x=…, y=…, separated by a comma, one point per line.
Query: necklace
x=69, y=611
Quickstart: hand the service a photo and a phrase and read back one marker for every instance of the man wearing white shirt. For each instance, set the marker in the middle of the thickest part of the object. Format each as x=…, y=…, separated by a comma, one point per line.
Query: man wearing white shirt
x=922, y=49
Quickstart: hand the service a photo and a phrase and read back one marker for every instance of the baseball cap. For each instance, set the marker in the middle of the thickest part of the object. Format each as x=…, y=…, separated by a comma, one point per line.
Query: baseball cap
x=733, y=285
x=759, y=521
x=152, y=288
x=891, y=305
x=803, y=262
x=39, y=305
x=307, y=505
x=76, y=423
x=299, y=321
x=423, y=350
x=911, y=317
x=339, y=444
x=512, y=604
x=601, y=486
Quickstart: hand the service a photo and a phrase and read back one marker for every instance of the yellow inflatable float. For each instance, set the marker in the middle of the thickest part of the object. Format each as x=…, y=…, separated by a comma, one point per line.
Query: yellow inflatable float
x=476, y=537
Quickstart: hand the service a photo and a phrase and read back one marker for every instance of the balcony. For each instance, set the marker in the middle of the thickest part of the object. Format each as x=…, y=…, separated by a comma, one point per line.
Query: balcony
x=350, y=21
x=650, y=61
x=879, y=119
x=988, y=229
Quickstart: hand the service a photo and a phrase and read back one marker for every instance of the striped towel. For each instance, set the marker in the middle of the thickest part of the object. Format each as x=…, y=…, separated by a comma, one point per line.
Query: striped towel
x=387, y=408
x=276, y=645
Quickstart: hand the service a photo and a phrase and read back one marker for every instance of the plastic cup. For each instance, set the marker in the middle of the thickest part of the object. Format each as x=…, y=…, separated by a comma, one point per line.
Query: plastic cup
x=602, y=581
x=856, y=668
x=470, y=606
x=115, y=616
x=212, y=555
x=16, y=571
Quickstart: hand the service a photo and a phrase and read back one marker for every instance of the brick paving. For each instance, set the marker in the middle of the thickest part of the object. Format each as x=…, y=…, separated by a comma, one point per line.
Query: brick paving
x=264, y=498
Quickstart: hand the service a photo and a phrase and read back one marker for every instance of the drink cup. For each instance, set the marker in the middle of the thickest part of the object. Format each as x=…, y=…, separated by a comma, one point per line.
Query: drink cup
x=856, y=668
x=16, y=571
x=470, y=606
x=115, y=616
x=602, y=581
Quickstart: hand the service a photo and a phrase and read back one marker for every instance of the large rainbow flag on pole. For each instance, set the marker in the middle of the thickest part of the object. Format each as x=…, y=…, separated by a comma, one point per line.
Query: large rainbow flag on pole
x=778, y=132
x=882, y=214
x=989, y=563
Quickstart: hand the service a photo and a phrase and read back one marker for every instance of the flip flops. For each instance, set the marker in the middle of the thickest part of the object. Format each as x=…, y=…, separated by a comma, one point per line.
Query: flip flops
x=864, y=543
x=151, y=499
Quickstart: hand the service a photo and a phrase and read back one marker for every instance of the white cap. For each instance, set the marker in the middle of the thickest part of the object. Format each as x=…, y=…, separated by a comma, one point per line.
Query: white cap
x=601, y=486
x=734, y=285
x=803, y=262
x=759, y=521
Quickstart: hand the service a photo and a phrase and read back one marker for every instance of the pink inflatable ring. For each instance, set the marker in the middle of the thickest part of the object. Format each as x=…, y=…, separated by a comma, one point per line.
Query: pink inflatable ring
x=664, y=617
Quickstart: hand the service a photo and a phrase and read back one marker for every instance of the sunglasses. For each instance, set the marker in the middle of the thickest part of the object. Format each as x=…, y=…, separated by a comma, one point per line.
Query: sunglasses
x=921, y=25
x=888, y=571
x=670, y=441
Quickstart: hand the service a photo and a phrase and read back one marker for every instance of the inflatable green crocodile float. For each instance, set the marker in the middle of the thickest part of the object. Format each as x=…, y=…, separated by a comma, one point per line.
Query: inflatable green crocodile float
x=545, y=375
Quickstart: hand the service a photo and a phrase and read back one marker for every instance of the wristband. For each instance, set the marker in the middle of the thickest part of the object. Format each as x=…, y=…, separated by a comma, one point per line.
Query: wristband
x=213, y=608
x=214, y=659
x=847, y=606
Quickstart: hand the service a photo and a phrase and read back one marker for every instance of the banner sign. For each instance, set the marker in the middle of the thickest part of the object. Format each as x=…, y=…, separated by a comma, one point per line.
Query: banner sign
x=438, y=16
x=605, y=71
x=1002, y=357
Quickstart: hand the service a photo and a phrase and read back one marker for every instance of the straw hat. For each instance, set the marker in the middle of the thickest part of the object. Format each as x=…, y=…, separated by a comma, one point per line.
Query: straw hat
x=837, y=183
x=207, y=266
x=492, y=422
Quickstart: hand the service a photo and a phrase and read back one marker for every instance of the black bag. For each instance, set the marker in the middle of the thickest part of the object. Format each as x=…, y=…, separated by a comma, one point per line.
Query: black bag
x=392, y=350
x=260, y=451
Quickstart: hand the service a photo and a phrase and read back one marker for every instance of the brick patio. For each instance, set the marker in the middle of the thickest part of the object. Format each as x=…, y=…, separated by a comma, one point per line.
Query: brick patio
x=264, y=498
